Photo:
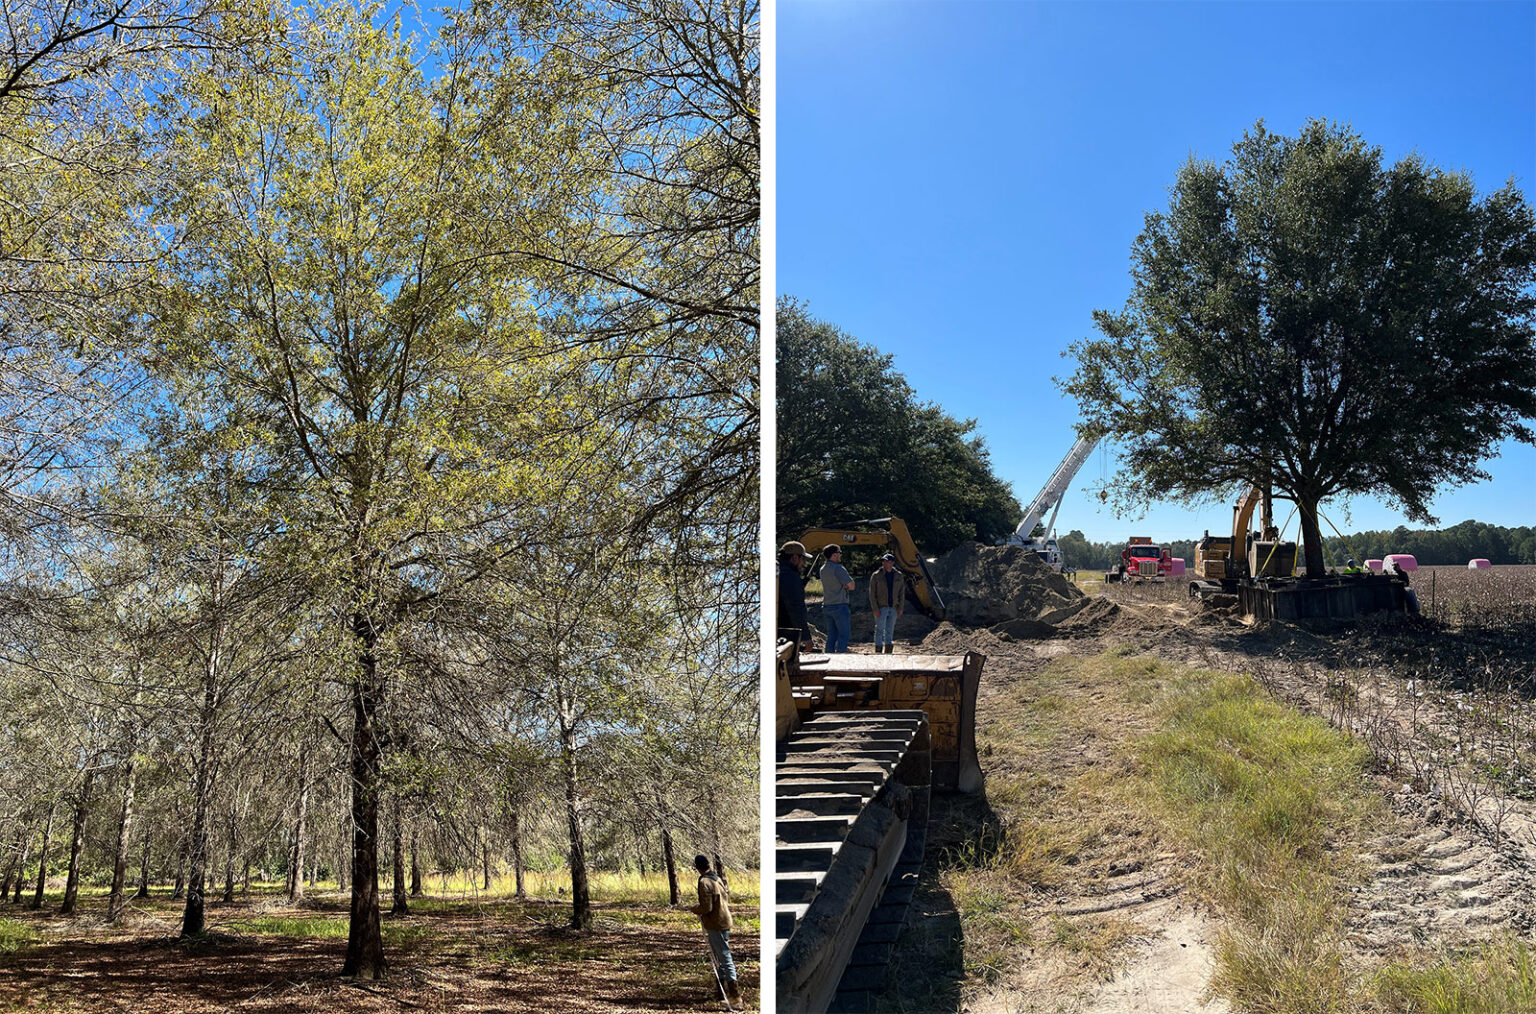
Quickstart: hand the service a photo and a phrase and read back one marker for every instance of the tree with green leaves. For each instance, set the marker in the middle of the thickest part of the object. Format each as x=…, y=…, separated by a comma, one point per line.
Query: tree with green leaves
x=854, y=442
x=1307, y=318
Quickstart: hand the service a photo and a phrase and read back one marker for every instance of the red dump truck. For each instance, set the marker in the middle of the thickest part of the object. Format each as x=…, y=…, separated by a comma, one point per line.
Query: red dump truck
x=1140, y=560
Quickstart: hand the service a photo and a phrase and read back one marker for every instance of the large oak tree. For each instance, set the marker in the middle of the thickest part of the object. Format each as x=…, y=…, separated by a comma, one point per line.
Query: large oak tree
x=1306, y=317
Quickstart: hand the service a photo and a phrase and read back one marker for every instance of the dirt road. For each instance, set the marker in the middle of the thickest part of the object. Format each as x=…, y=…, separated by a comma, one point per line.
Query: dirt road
x=1099, y=916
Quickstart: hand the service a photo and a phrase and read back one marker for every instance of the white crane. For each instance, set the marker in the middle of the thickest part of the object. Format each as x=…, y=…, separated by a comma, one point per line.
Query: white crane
x=1049, y=499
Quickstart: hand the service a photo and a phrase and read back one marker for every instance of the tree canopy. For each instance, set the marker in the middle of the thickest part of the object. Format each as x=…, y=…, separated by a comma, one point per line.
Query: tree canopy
x=855, y=442
x=1308, y=318
x=385, y=440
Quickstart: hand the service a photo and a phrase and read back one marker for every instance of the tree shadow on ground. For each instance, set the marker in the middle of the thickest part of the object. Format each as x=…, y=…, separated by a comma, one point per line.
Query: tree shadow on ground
x=452, y=961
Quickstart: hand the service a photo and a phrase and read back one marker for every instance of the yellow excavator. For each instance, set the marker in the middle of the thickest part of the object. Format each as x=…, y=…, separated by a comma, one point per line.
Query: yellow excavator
x=892, y=536
x=1258, y=572
x=1218, y=565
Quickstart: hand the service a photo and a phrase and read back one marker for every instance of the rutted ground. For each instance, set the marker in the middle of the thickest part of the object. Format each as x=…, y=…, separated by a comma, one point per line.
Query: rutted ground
x=1027, y=906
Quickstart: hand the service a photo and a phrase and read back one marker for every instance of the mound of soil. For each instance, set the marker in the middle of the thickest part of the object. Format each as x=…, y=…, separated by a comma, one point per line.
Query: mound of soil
x=984, y=586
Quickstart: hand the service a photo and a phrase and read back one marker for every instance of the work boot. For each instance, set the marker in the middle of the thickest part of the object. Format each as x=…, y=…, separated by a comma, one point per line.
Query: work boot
x=890, y=649
x=732, y=993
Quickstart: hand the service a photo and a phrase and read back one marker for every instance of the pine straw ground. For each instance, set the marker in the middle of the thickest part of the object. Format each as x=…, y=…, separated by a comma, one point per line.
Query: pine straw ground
x=453, y=952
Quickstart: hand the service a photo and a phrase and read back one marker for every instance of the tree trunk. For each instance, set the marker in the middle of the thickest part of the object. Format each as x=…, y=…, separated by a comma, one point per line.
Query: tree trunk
x=21, y=864
x=714, y=832
x=1312, y=536
x=296, y=889
x=124, y=829
x=400, y=907
x=245, y=877
x=76, y=843
x=143, y=891
x=581, y=900
x=670, y=856
x=485, y=860
x=365, y=942
x=13, y=868
x=415, y=867
x=229, y=861
x=192, y=919
x=18, y=864
x=517, y=854
x=180, y=890
x=42, y=862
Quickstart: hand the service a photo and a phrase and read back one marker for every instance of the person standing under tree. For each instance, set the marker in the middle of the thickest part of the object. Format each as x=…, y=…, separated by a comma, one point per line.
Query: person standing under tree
x=887, y=596
x=714, y=911
x=836, y=583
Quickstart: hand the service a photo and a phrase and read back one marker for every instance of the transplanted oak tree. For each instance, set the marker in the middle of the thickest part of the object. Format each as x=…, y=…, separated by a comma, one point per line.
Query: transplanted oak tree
x=1309, y=318
x=328, y=307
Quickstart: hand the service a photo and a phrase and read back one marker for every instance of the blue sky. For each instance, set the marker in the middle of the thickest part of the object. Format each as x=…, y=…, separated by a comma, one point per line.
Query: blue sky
x=959, y=183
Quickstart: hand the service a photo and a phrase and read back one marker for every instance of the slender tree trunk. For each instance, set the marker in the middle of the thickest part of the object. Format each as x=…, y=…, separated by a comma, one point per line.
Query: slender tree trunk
x=400, y=907
x=581, y=900
x=192, y=919
x=42, y=861
x=714, y=833
x=18, y=860
x=229, y=861
x=143, y=891
x=180, y=890
x=245, y=877
x=21, y=864
x=296, y=889
x=517, y=853
x=415, y=867
x=365, y=942
x=667, y=852
x=124, y=830
x=485, y=859
x=76, y=843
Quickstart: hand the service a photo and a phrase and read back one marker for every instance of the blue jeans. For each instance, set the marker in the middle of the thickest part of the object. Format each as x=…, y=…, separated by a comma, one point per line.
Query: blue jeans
x=720, y=943
x=885, y=626
x=837, y=627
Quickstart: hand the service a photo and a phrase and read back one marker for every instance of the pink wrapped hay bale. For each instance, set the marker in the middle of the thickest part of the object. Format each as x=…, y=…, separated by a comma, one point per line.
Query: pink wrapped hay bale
x=1176, y=567
x=1478, y=564
x=1374, y=566
x=1399, y=563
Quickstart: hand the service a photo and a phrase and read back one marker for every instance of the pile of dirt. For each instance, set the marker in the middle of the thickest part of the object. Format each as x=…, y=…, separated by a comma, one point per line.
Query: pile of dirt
x=984, y=586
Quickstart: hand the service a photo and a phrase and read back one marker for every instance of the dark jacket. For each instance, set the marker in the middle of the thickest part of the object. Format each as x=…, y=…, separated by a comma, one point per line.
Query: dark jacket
x=792, y=601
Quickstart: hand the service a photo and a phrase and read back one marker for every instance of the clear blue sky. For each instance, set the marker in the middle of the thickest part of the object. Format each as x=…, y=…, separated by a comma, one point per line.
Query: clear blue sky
x=959, y=183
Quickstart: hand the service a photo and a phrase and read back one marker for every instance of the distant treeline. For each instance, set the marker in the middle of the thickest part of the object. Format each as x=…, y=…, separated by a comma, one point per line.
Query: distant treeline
x=1447, y=546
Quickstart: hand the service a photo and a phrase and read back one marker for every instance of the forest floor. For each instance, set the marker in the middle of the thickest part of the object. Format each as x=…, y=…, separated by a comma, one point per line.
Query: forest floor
x=450, y=953
x=1188, y=813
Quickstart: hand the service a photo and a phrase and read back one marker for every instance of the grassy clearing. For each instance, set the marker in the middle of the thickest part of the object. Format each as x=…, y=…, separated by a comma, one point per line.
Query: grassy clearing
x=1100, y=766
x=1269, y=802
x=16, y=936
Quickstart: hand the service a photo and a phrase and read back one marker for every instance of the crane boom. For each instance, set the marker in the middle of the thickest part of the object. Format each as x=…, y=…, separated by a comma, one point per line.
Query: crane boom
x=1055, y=488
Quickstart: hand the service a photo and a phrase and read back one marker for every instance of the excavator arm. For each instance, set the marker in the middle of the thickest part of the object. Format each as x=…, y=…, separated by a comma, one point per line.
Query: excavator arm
x=890, y=534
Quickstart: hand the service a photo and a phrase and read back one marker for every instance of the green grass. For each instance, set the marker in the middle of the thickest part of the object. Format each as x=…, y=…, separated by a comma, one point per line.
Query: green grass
x=16, y=936
x=1498, y=979
x=293, y=926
